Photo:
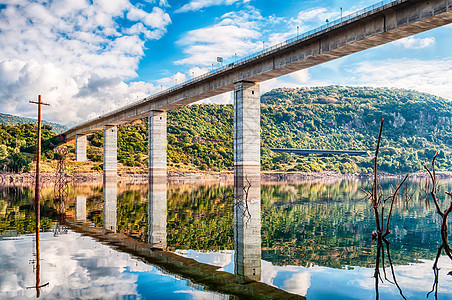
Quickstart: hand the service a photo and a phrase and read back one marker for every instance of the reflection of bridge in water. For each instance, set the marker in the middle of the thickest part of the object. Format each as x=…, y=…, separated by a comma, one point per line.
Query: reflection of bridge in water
x=247, y=240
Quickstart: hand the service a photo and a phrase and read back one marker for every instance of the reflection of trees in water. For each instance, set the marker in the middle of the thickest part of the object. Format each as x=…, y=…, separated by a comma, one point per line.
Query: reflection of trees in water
x=337, y=233
x=17, y=214
x=201, y=218
x=324, y=232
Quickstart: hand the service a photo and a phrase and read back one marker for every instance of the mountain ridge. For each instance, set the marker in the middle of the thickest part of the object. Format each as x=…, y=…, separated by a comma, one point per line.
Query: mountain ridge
x=8, y=119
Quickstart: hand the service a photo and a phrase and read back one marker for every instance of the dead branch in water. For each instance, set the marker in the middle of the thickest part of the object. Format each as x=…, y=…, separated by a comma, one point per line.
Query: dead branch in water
x=378, y=202
x=443, y=214
x=377, y=199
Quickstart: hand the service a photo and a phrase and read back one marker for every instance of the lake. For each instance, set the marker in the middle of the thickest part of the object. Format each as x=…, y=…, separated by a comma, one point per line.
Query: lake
x=310, y=239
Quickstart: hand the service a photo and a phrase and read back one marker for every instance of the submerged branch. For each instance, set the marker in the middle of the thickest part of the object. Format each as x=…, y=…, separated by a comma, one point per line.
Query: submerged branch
x=374, y=188
x=394, y=195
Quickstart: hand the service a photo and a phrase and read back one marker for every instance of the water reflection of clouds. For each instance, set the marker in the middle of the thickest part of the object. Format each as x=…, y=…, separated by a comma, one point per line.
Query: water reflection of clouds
x=416, y=279
x=354, y=282
x=220, y=258
x=79, y=267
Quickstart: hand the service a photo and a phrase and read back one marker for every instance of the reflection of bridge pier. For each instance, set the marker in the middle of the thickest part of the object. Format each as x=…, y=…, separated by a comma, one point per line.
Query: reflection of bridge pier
x=247, y=228
x=247, y=199
x=110, y=199
x=157, y=180
x=80, y=208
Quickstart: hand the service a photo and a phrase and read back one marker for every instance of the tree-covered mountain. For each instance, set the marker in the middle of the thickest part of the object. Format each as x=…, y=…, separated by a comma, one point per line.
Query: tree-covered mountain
x=7, y=119
x=200, y=137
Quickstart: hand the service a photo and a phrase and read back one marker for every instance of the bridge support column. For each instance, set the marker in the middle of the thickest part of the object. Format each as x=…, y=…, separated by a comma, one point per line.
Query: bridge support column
x=110, y=152
x=157, y=180
x=247, y=199
x=80, y=147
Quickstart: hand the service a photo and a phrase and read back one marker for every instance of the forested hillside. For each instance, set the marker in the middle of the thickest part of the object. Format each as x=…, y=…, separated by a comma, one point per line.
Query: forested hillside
x=333, y=117
x=15, y=120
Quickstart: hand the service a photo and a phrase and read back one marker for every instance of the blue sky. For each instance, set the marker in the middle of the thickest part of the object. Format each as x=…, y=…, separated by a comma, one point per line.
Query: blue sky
x=89, y=57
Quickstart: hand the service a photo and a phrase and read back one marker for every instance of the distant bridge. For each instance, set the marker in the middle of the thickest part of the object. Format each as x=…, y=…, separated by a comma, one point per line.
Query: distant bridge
x=320, y=152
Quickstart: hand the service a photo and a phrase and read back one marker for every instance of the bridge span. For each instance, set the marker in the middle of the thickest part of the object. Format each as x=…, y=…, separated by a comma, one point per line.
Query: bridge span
x=382, y=23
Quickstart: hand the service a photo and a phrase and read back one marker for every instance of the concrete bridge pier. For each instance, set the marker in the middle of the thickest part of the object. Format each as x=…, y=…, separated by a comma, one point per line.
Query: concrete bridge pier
x=157, y=180
x=247, y=199
x=80, y=147
x=110, y=153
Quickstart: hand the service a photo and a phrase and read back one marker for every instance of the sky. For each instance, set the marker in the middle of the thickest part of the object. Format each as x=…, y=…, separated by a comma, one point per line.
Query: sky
x=87, y=58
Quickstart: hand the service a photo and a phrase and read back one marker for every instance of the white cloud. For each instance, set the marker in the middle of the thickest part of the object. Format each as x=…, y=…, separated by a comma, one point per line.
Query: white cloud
x=195, y=5
x=197, y=71
x=301, y=76
x=415, y=43
x=431, y=76
x=235, y=35
x=76, y=54
x=77, y=266
x=298, y=284
x=308, y=19
x=319, y=14
x=294, y=80
x=173, y=80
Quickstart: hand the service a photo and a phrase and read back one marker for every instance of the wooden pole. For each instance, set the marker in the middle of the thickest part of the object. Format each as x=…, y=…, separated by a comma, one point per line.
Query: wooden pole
x=37, y=185
x=38, y=194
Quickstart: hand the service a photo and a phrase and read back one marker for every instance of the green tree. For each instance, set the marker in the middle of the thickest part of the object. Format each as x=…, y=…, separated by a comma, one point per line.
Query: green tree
x=19, y=163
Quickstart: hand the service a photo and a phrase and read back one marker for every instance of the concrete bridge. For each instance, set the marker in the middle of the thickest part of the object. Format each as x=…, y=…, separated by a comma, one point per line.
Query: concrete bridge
x=383, y=23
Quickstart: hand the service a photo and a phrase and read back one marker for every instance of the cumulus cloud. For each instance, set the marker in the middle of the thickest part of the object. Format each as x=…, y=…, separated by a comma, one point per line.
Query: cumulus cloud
x=432, y=76
x=310, y=19
x=196, y=5
x=233, y=36
x=70, y=264
x=319, y=14
x=294, y=80
x=415, y=43
x=172, y=80
x=77, y=54
x=299, y=283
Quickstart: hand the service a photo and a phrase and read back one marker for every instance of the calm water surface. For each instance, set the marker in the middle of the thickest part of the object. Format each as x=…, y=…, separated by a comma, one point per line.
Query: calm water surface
x=315, y=241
